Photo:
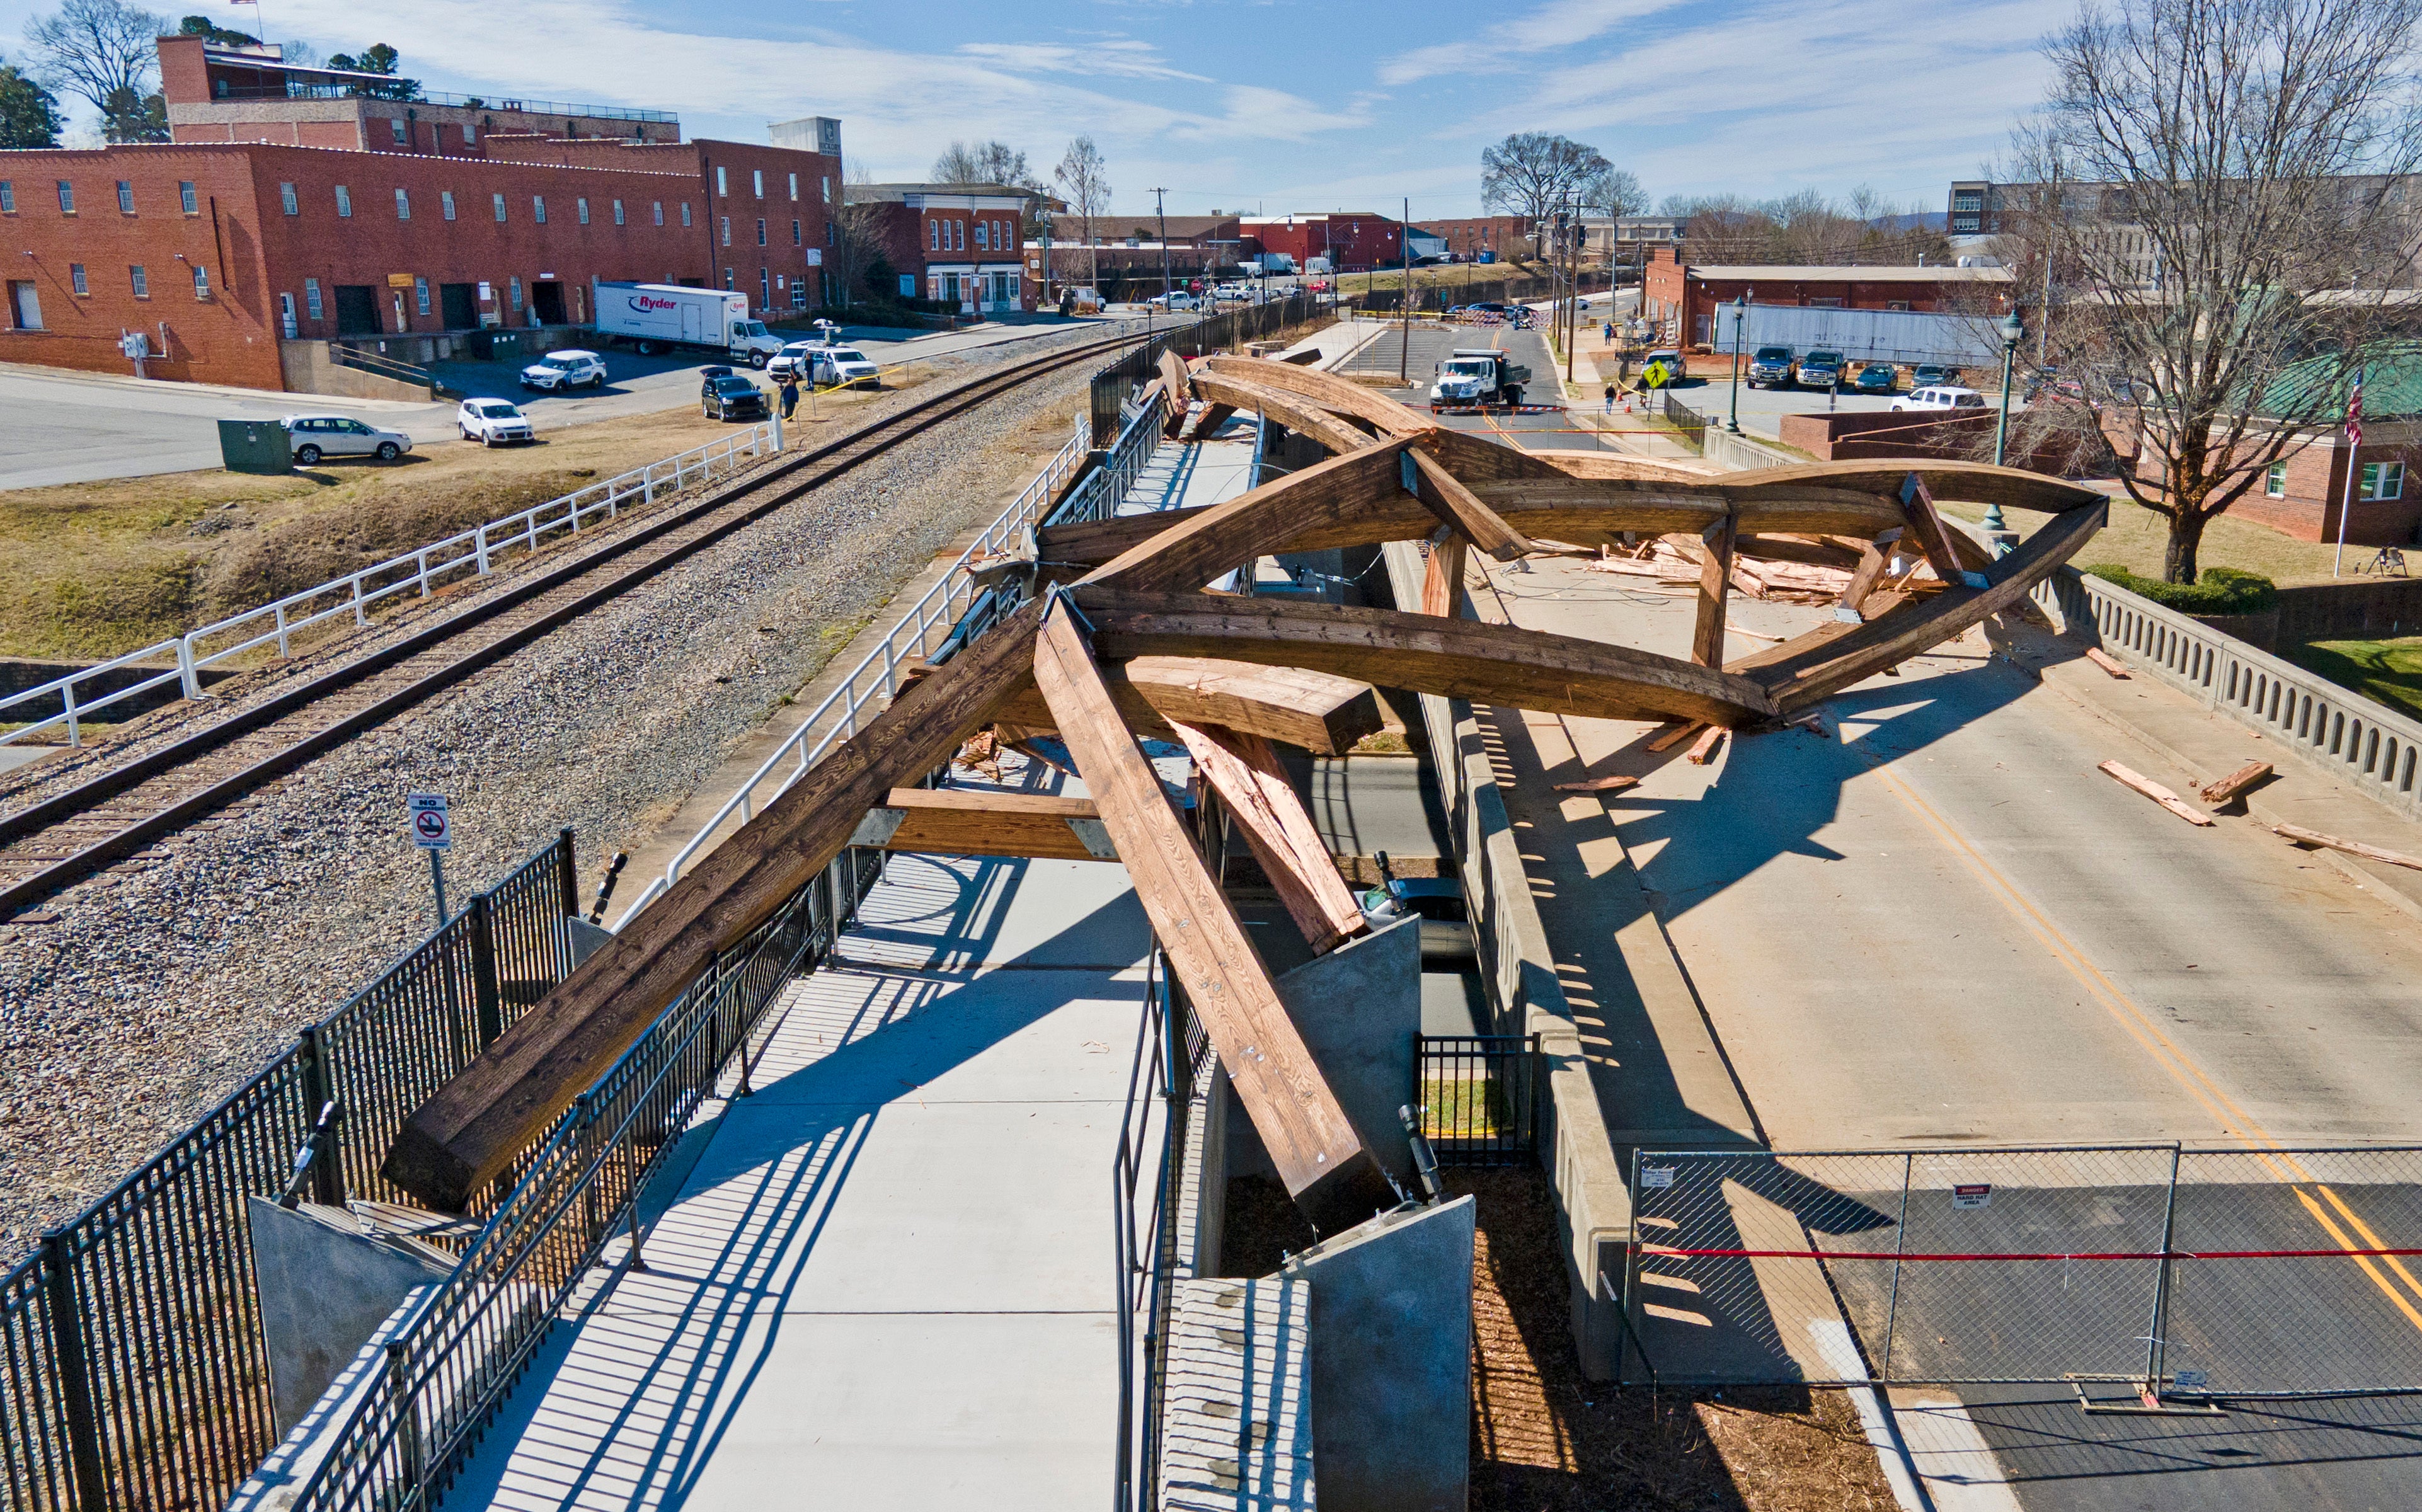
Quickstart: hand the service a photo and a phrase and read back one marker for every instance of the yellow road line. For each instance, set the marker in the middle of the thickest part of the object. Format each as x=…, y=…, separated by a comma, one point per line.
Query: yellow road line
x=2364, y=1260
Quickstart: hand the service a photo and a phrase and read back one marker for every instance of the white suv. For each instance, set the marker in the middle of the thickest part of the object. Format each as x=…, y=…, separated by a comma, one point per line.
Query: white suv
x=341, y=435
x=793, y=359
x=492, y=422
x=1941, y=397
x=841, y=367
x=566, y=369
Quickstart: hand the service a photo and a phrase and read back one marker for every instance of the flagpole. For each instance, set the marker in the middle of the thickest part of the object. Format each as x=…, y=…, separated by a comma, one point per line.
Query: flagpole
x=2354, y=444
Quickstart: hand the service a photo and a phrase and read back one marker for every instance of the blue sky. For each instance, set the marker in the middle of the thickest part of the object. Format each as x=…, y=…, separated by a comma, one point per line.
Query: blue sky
x=1282, y=105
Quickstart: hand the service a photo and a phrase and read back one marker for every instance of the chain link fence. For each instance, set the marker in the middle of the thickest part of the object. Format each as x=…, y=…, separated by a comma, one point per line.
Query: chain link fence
x=2236, y=1273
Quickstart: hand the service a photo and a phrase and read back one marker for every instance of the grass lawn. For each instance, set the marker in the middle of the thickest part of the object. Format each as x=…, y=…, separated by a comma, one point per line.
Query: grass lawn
x=2135, y=539
x=2385, y=671
x=1451, y=275
x=94, y=570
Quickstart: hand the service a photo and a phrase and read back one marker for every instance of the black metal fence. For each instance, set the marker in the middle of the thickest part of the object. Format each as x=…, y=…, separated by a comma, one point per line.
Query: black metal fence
x=1479, y=1098
x=1688, y=423
x=133, y=1369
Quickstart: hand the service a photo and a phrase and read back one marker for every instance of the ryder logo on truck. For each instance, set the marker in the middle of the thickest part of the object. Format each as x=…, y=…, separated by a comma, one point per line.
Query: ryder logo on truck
x=646, y=303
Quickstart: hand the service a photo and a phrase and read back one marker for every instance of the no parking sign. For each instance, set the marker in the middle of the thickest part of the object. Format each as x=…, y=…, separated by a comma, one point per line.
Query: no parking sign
x=427, y=813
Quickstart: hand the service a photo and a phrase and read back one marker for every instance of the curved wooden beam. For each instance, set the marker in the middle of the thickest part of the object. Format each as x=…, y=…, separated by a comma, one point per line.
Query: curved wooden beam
x=1327, y=390
x=1293, y=411
x=1970, y=483
x=1207, y=542
x=1293, y=705
x=1459, y=658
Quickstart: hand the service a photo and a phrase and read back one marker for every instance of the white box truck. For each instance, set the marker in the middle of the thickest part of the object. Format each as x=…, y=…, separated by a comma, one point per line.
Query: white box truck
x=661, y=317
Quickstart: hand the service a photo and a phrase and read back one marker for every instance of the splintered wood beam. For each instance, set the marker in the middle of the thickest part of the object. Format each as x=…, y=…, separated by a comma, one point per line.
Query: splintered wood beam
x=1715, y=583
x=1494, y=664
x=1442, y=578
x=1293, y=705
x=1177, y=387
x=1932, y=536
x=1249, y=782
x=985, y=822
x=1460, y=507
x=1206, y=420
x=1975, y=482
x=2236, y=784
x=2137, y=781
x=472, y=1129
x=1320, y=1156
x=1326, y=390
x=1253, y=524
x=1293, y=411
x=1874, y=558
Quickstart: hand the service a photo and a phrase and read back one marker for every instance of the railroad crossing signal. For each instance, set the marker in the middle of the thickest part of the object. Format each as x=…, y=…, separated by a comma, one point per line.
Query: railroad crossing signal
x=429, y=828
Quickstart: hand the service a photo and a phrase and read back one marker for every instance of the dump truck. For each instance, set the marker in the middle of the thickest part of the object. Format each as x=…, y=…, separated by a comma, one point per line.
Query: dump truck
x=1477, y=376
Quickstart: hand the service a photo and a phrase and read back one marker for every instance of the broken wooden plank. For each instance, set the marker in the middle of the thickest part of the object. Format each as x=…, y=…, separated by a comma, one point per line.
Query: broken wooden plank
x=472, y=1129
x=1320, y=1156
x=2108, y=663
x=1487, y=663
x=1249, y=782
x=985, y=822
x=1676, y=735
x=2146, y=785
x=1932, y=537
x=1442, y=578
x=2370, y=853
x=1875, y=559
x=1598, y=784
x=1715, y=585
x=1295, y=706
x=2236, y=784
x=1702, y=750
x=1458, y=506
x=1177, y=387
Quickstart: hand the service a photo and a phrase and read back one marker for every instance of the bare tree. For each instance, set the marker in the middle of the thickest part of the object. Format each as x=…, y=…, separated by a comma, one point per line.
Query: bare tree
x=1613, y=193
x=1535, y=174
x=1084, y=179
x=2220, y=188
x=1803, y=227
x=857, y=238
x=96, y=48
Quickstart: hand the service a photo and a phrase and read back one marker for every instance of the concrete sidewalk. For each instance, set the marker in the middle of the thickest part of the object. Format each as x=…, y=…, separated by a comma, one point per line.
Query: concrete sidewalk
x=885, y=1280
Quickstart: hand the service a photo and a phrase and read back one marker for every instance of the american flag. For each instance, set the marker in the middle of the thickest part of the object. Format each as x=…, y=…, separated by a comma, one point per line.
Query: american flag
x=2354, y=411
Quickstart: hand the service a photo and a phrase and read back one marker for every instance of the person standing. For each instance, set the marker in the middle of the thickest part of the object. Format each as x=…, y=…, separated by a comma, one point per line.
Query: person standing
x=1610, y=398
x=789, y=384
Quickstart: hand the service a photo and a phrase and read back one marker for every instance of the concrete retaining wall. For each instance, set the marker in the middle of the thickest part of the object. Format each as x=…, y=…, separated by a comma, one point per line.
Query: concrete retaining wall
x=2359, y=608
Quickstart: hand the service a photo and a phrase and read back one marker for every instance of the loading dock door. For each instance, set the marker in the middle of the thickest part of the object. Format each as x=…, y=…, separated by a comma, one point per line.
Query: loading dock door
x=27, y=305
x=546, y=297
x=357, y=309
x=460, y=306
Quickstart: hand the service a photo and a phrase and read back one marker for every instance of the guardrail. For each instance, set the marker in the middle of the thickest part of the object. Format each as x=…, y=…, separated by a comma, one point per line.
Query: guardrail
x=949, y=611
x=380, y=365
x=2371, y=748
x=418, y=573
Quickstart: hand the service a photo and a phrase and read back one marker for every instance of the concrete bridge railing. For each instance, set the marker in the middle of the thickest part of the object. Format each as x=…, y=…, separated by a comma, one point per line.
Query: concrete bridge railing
x=2338, y=732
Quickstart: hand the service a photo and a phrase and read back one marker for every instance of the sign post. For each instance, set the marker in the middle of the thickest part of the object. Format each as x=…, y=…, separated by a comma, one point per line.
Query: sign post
x=434, y=833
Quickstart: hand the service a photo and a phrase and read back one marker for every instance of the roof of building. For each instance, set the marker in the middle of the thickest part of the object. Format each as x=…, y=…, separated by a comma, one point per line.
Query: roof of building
x=868, y=193
x=1852, y=273
x=2392, y=385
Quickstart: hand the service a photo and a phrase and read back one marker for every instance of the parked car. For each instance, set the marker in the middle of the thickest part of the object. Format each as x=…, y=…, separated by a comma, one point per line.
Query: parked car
x=1769, y=368
x=566, y=369
x=1940, y=397
x=341, y=435
x=493, y=422
x=1675, y=367
x=841, y=367
x=1930, y=375
x=1821, y=370
x=734, y=397
x=1174, y=299
x=707, y=375
x=1876, y=378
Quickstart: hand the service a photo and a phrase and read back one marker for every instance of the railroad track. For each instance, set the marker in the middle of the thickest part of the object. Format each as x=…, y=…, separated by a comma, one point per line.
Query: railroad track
x=128, y=806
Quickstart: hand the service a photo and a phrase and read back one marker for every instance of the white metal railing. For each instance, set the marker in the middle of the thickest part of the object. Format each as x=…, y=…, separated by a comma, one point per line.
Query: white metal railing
x=925, y=628
x=418, y=573
x=2371, y=748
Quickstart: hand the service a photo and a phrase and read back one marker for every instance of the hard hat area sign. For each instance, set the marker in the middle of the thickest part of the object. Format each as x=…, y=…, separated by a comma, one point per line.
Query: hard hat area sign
x=429, y=828
x=1973, y=1194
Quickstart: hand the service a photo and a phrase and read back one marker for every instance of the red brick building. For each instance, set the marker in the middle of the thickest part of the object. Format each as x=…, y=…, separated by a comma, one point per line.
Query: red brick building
x=232, y=242
x=1683, y=296
x=1354, y=241
x=1508, y=236
x=955, y=241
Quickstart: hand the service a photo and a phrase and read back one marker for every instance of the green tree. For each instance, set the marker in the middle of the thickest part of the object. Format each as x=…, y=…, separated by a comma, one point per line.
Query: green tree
x=129, y=117
x=29, y=114
x=210, y=31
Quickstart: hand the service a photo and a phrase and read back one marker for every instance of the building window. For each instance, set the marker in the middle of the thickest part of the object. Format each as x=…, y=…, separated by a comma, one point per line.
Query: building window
x=8, y=196
x=537, y=208
x=727, y=280
x=2383, y=481
x=202, y=282
x=932, y=236
x=618, y=212
x=760, y=230
x=757, y=182
x=468, y=137
x=143, y=290
x=727, y=231
x=513, y=287
x=67, y=197
x=402, y=205
x=581, y=204
x=186, y=196
x=684, y=213
x=421, y=296
x=77, y=280
x=798, y=234
x=2274, y=483
x=500, y=207
x=311, y=296
x=286, y=197
x=660, y=211
x=795, y=186
x=125, y=198
x=446, y=202
x=983, y=239
x=286, y=317
x=722, y=184
x=827, y=188
x=764, y=291
x=344, y=200
x=832, y=234
x=395, y=130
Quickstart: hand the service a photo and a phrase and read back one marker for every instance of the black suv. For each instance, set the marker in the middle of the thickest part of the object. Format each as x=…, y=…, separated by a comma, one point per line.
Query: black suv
x=734, y=397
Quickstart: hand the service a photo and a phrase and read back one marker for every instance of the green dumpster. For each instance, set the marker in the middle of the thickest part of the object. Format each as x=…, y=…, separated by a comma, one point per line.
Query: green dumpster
x=256, y=446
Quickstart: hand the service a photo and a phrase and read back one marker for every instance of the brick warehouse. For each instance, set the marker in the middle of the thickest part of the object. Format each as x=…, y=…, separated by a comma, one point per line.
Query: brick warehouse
x=226, y=253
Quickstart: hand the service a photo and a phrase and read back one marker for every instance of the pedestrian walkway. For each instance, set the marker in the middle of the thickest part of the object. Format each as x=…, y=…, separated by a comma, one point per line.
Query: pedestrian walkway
x=885, y=1281
x=1188, y=475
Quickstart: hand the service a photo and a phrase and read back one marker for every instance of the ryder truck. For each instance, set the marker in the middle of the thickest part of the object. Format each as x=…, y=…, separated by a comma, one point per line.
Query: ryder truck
x=660, y=317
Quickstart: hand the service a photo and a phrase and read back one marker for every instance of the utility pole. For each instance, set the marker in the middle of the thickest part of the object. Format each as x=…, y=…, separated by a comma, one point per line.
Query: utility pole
x=1404, y=339
x=1161, y=210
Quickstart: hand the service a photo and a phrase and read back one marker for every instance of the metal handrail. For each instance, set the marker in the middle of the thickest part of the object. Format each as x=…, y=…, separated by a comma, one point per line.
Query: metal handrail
x=923, y=627
x=419, y=571
x=366, y=89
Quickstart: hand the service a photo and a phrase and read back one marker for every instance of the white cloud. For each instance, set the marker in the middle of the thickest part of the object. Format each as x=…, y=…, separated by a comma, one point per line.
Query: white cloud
x=1505, y=45
x=1113, y=57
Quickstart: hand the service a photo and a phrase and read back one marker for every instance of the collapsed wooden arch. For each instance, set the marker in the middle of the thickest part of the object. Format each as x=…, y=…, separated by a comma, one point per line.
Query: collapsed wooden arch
x=1124, y=637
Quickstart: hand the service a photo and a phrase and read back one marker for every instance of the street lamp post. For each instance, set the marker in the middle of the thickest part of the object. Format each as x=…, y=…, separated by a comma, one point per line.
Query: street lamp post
x=2014, y=330
x=1741, y=318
